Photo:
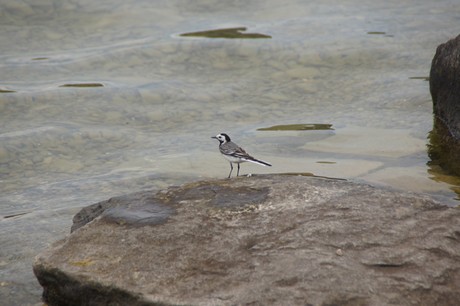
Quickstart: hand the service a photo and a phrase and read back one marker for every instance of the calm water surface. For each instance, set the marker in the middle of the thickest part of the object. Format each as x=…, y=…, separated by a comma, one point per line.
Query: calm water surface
x=102, y=98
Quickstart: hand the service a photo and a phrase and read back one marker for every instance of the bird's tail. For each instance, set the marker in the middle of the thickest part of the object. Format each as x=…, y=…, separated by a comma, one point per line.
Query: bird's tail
x=257, y=161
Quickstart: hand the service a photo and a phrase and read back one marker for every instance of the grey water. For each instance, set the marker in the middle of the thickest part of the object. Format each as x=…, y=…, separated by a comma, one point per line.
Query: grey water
x=103, y=98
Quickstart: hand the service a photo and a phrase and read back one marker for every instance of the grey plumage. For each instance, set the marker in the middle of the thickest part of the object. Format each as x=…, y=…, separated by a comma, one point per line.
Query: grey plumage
x=235, y=154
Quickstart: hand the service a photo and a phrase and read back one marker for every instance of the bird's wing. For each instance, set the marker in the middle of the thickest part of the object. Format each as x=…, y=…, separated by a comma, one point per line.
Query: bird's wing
x=240, y=152
x=233, y=149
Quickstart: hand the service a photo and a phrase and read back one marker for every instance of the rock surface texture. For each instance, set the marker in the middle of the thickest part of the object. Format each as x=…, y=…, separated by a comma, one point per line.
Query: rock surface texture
x=445, y=84
x=445, y=92
x=263, y=240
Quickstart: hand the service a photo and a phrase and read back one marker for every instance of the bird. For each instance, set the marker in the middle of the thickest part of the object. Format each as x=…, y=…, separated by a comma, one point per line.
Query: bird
x=235, y=154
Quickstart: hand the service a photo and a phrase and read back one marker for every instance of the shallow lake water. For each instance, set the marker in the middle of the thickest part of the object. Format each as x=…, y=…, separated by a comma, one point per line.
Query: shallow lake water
x=99, y=99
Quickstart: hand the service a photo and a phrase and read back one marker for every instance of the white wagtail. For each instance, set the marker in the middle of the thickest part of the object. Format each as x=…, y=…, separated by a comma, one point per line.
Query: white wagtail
x=235, y=154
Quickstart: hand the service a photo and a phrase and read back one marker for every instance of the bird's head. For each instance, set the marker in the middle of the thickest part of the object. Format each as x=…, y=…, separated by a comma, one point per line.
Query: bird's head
x=222, y=137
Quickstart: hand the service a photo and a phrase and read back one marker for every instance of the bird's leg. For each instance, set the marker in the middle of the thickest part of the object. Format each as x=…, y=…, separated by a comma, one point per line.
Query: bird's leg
x=238, y=172
x=231, y=169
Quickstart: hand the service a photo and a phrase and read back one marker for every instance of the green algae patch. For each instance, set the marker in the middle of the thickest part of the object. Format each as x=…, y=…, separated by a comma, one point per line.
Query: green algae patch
x=379, y=33
x=83, y=85
x=6, y=91
x=312, y=175
x=299, y=127
x=15, y=215
x=424, y=78
x=231, y=33
x=82, y=263
x=298, y=174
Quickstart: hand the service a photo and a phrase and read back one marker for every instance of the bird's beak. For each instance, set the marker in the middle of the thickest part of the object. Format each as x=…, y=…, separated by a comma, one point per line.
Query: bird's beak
x=214, y=137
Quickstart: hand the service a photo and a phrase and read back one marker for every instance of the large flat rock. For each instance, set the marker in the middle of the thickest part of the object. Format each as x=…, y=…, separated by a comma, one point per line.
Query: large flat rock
x=263, y=240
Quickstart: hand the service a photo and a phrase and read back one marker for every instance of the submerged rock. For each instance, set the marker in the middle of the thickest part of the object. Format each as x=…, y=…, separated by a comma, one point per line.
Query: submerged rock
x=445, y=92
x=263, y=240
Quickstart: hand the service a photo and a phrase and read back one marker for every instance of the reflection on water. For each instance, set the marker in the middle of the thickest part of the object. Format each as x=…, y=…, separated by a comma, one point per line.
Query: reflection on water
x=443, y=148
x=438, y=174
x=443, y=151
x=101, y=99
